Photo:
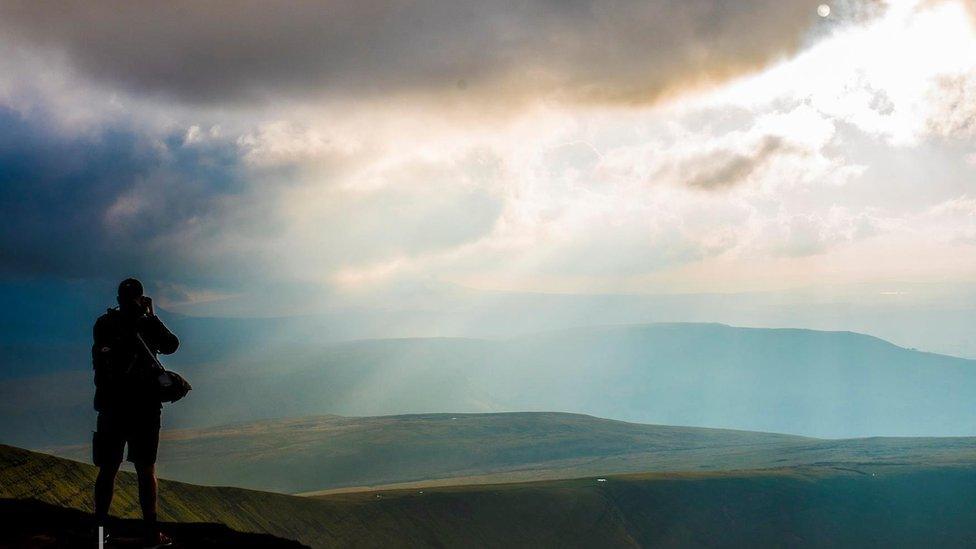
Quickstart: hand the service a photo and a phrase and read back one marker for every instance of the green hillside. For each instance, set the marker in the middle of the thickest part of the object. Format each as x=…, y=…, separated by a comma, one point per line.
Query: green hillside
x=330, y=452
x=867, y=506
x=297, y=455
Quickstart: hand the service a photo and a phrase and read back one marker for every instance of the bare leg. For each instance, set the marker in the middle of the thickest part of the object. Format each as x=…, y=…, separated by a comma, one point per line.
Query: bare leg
x=146, y=475
x=104, y=487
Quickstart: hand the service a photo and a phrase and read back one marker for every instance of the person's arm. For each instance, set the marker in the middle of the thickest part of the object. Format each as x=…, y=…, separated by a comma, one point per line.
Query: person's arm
x=164, y=341
x=156, y=334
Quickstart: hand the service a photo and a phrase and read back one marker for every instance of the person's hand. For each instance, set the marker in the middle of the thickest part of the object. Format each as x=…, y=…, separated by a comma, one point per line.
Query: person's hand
x=147, y=304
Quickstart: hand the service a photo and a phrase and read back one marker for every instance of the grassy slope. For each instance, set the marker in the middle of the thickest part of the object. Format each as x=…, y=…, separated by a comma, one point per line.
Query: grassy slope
x=325, y=453
x=25, y=474
x=873, y=505
x=36, y=525
x=294, y=455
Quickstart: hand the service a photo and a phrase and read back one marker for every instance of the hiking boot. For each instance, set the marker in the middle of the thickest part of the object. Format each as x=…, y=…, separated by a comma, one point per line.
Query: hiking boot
x=157, y=540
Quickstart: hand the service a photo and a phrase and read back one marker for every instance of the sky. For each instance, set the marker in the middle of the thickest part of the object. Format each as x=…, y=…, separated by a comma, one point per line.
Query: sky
x=320, y=151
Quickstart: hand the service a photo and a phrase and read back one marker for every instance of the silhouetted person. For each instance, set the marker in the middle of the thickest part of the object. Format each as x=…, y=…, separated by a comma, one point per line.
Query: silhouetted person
x=127, y=400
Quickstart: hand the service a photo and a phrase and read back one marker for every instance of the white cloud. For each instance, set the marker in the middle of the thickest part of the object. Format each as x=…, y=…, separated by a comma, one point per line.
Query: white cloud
x=878, y=76
x=953, y=110
x=283, y=143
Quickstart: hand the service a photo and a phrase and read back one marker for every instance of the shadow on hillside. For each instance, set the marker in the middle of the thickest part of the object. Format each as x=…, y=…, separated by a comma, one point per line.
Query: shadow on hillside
x=34, y=524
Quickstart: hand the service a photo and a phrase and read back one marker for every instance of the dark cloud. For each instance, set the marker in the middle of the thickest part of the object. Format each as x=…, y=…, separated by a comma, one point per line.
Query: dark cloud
x=106, y=201
x=497, y=51
x=725, y=169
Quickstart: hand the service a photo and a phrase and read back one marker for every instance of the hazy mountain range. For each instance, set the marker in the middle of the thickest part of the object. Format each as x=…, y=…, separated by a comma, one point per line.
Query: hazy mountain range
x=46, y=326
x=826, y=384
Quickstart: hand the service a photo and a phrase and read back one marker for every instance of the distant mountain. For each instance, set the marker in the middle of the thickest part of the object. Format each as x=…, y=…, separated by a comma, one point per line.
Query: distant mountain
x=332, y=452
x=45, y=326
x=867, y=506
x=825, y=384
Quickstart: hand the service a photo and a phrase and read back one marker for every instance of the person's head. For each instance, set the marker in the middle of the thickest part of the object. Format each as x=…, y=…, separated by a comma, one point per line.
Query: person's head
x=130, y=296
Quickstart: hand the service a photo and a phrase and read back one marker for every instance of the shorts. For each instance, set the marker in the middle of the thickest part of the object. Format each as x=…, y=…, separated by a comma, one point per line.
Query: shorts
x=116, y=429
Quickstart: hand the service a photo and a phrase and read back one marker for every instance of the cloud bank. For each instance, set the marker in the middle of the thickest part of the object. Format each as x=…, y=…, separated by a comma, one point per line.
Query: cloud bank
x=218, y=148
x=456, y=51
x=86, y=204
